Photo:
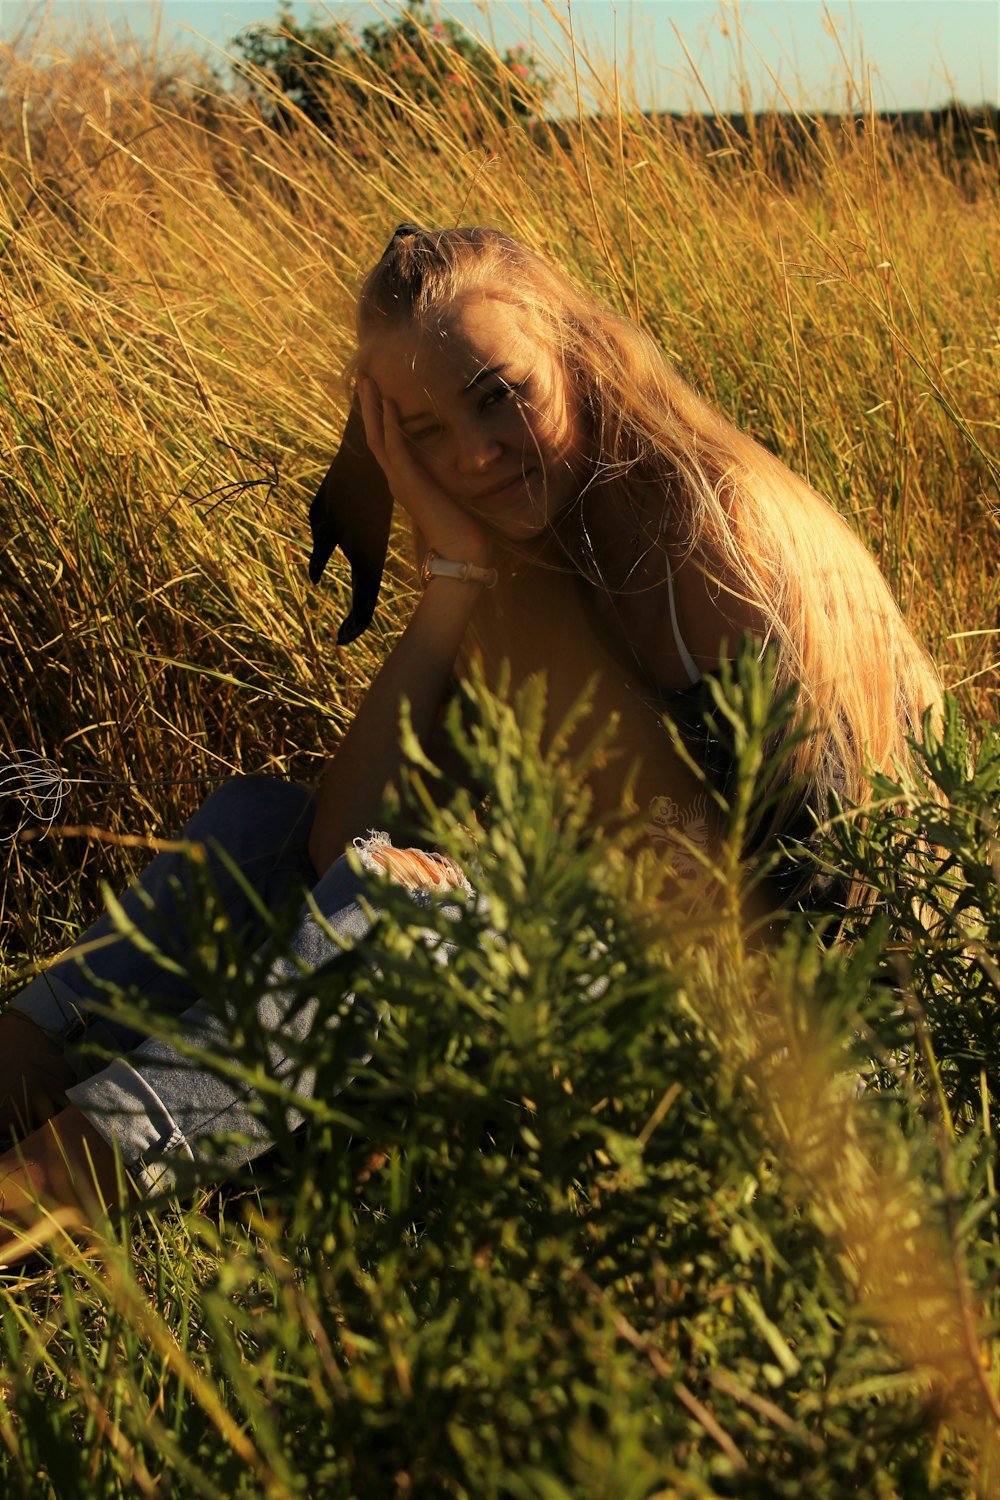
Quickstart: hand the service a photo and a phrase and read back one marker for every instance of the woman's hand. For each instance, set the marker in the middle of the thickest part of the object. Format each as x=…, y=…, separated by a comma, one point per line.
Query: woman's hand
x=420, y=665
x=448, y=529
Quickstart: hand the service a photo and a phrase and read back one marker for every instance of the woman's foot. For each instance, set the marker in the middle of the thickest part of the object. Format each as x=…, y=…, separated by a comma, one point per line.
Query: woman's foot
x=62, y=1177
x=34, y=1075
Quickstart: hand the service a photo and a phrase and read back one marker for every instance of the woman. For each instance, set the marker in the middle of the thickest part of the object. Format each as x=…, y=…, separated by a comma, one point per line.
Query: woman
x=577, y=509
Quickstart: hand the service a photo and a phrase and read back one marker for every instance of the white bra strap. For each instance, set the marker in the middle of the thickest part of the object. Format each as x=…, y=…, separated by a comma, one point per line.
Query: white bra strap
x=687, y=660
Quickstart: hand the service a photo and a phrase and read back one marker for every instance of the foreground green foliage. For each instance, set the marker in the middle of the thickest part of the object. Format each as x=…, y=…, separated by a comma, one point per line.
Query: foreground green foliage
x=605, y=1213
x=934, y=866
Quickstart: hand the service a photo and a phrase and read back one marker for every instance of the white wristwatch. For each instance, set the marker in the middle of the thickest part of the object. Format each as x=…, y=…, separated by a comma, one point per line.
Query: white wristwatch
x=443, y=567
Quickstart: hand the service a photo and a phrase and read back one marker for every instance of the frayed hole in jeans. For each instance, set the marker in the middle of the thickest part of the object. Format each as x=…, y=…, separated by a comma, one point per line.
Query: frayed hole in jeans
x=416, y=869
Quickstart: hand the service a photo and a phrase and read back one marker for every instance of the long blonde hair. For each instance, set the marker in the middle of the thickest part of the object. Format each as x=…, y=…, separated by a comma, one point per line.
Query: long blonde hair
x=863, y=682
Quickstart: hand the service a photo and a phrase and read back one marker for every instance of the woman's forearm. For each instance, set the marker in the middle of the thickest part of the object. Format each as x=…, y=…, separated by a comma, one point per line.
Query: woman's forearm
x=368, y=759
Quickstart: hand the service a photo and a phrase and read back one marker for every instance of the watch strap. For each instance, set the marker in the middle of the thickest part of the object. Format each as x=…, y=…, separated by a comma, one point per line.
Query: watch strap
x=445, y=567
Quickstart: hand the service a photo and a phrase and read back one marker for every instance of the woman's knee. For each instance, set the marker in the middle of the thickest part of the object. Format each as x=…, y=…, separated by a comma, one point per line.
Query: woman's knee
x=247, y=813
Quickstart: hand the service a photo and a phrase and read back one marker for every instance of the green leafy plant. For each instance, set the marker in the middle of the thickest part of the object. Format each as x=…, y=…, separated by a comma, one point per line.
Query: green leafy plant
x=297, y=70
x=933, y=865
x=603, y=1212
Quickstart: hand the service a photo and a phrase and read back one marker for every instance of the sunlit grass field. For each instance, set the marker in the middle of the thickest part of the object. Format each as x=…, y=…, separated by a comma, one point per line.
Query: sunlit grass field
x=176, y=291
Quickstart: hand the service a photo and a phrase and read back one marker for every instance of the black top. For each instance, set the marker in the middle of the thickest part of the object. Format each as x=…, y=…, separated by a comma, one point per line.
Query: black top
x=799, y=880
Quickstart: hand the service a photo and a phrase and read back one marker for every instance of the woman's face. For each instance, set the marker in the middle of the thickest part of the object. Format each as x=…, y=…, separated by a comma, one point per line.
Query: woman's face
x=488, y=411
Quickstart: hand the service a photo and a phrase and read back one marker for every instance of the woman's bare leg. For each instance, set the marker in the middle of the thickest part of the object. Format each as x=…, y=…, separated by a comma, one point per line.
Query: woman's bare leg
x=34, y=1074
x=61, y=1177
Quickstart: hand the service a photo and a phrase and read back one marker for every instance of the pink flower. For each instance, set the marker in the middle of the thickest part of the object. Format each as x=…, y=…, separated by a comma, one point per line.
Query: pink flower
x=519, y=70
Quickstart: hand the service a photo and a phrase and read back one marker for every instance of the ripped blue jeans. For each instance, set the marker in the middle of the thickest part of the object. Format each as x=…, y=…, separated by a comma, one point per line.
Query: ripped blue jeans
x=151, y=1101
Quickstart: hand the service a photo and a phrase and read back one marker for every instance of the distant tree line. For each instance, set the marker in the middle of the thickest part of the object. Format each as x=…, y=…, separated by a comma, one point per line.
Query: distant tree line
x=302, y=71
x=784, y=141
x=963, y=129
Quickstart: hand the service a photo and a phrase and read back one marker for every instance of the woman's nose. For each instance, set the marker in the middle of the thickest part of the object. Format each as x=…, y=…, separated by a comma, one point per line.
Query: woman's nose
x=476, y=451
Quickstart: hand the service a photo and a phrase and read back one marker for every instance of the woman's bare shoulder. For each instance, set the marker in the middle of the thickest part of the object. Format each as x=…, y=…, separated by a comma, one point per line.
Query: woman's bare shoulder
x=714, y=610
x=680, y=612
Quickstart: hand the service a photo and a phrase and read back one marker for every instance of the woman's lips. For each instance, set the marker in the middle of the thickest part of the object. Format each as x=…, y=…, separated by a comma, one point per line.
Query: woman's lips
x=497, y=491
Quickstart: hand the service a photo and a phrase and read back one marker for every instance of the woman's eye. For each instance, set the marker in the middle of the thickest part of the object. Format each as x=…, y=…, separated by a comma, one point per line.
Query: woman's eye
x=504, y=393
x=424, y=434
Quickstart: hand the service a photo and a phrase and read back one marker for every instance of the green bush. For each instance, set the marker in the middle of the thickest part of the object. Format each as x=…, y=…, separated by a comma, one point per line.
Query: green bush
x=606, y=1212
x=934, y=866
x=295, y=72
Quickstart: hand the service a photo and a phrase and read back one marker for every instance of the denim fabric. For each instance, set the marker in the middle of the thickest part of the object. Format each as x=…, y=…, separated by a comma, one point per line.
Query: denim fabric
x=153, y=1102
x=263, y=824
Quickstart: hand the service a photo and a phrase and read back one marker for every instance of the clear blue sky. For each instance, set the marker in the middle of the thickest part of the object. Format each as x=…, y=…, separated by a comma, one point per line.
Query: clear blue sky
x=920, y=52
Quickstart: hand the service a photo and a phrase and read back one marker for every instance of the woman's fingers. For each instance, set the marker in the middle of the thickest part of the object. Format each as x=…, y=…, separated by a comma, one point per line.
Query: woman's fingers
x=387, y=441
x=404, y=462
x=448, y=528
x=396, y=446
x=372, y=417
x=411, y=486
